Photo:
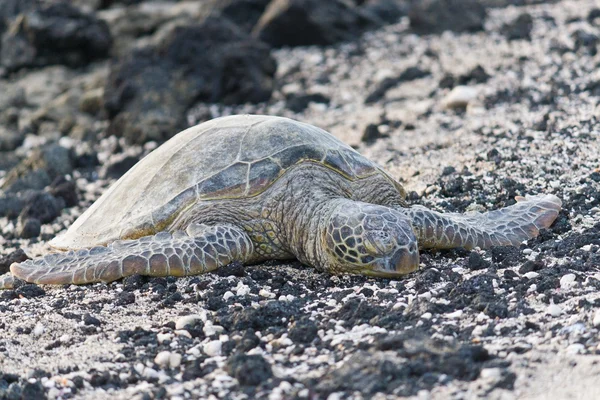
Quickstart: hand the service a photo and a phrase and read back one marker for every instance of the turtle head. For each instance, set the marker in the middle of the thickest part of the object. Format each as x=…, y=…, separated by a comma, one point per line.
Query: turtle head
x=371, y=240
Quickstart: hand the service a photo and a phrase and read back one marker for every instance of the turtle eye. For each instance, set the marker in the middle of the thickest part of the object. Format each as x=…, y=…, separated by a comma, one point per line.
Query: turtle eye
x=378, y=243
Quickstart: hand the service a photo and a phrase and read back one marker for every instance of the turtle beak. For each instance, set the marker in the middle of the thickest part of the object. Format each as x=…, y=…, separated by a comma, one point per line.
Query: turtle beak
x=405, y=261
x=402, y=262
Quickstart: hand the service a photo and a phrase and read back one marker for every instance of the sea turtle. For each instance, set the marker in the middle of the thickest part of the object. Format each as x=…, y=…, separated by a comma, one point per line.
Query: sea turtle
x=249, y=188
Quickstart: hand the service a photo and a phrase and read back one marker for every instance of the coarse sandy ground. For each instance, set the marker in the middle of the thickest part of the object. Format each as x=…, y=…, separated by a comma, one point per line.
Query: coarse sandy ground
x=506, y=323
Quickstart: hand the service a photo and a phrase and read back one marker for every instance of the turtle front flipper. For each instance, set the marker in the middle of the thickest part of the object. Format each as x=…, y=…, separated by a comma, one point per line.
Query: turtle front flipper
x=507, y=226
x=200, y=249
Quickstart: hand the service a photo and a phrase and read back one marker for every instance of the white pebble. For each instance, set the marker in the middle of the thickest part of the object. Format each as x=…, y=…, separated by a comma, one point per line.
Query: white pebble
x=266, y=293
x=554, y=310
x=242, y=290
x=596, y=320
x=210, y=329
x=161, y=337
x=162, y=358
x=459, y=97
x=227, y=295
x=455, y=314
x=212, y=348
x=38, y=330
x=427, y=315
x=175, y=360
x=531, y=275
x=183, y=332
x=575, y=348
x=150, y=373
x=567, y=281
x=184, y=321
x=491, y=373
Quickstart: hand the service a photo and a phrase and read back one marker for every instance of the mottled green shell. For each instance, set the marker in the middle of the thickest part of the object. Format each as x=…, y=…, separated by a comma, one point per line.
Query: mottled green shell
x=226, y=158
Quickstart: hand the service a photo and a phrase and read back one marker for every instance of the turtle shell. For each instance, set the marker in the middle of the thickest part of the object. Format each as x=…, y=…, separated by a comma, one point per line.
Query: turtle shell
x=231, y=157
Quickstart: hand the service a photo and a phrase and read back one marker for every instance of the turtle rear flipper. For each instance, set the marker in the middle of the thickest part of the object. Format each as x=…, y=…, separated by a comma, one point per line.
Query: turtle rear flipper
x=201, y=249
x=506, y=226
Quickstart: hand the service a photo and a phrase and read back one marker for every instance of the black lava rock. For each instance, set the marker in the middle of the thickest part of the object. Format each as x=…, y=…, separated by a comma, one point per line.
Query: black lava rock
x=585, y=40
x=119, y=166
x=55, y=34
x=311, y=22
x=371, y=134
x=89, y=319
x=64, y=189
x=30, y=291
x=149, y=90
x=520, y=28
x=436, y=16
x=249, y=370
x=29, y=228
x=299, y=102
x=505, y=255
x=16, y=256
x=382, y=88
x=40, y=169
x=303, y=331
x=42, y=206
x=476, y=262
x=245, y=13
x=235, y=268
x=476, y=75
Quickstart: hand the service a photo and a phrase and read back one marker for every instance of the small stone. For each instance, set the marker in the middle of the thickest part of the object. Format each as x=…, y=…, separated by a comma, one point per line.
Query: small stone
x=491, y=373
x=575, y=348
x=249, y=369
x=596, y=319
x=175, y=360
x=161, y=337
x=266, y=293
x=162, y=358
x=39, y=329
x=212, y=348
x=531, y=275
x=454, y=315
x=89, y=319
x=184, y=321
x=29, y=228
x=459, y=97
x=227, y=295
x=567, y=281
x=303, y=331
x=554, y=310
x=92, y=101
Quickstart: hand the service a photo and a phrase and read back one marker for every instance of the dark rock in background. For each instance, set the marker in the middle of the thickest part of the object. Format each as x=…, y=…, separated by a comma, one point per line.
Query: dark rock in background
x=249, y=369
x=54, y=34
x=520, y=28
x=149, y=91
x=244, y=13
x=41, y=206
x=299, y=102
x=311, y=22
x=381, y=89
x=435, y=16
x=40, y=169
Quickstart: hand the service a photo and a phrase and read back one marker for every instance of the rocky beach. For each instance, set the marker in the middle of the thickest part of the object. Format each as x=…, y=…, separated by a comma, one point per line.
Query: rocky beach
x=467, y=103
